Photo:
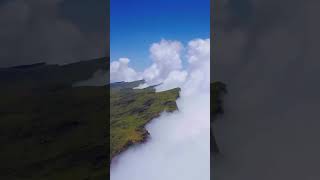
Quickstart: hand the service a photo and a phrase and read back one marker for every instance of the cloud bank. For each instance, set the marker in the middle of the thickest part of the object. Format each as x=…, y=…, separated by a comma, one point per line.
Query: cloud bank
x=179, y=144
x=267, y=53
x=167, y=69
x=166, y=58
x=120, y=71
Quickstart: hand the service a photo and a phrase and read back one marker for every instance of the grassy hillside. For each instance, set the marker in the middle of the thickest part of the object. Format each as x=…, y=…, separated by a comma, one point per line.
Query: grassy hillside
x=131, y=109
x=49, y=129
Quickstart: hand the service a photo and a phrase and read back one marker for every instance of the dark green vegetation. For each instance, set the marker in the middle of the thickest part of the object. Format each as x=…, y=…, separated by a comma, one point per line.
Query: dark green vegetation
x=50, y=130
x=218, y=90
x=131, y=109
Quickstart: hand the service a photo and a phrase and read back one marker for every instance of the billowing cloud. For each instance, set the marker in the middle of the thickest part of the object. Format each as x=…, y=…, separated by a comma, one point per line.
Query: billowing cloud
x=199, y=52
x=173, y=80
x=199, y=66
x=120, y=71
x=196, y=76
x=166, y=66
x=167, y=69
x=166, y=56
x=183, y=151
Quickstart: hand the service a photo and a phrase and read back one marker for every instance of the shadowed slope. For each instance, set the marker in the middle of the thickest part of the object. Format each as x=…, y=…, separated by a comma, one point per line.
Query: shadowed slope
x=49, y=129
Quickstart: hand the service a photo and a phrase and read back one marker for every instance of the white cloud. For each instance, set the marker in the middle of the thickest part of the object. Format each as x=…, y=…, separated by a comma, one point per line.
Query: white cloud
x=199, y=51
x=174, y=79
x=183, y=151
x=199, y=66
x=167, y=67
x=178, y=149
x=120, y=71
x=197, y=75
x=166, y=56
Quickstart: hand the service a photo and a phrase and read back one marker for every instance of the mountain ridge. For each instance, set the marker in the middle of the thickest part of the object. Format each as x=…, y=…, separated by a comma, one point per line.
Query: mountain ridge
x=131, y=109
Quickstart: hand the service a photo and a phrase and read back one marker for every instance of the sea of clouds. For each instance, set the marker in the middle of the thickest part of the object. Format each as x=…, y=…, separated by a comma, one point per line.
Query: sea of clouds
x=179, y=143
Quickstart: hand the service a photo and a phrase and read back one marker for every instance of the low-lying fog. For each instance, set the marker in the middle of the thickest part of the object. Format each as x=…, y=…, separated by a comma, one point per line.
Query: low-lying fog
x=178, y=148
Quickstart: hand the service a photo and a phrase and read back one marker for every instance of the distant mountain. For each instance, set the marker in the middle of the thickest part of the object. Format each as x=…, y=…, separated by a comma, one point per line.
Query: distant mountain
x=28, y=66
x=41, y=75
x=125, y=85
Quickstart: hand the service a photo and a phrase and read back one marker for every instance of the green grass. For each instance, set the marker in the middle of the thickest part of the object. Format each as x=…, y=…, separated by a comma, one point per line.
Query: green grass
x=131, y=110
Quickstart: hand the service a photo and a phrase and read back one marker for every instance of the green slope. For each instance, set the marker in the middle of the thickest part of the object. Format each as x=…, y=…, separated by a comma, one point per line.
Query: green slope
x=131, y=109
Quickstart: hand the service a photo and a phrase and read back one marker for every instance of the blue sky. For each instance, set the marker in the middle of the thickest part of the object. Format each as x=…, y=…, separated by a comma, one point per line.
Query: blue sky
x=136, y=24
